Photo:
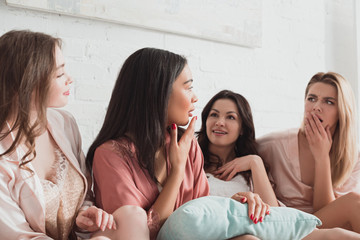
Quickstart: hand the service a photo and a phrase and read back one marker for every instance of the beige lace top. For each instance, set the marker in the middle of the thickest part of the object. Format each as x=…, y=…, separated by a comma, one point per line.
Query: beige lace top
x=63, y=194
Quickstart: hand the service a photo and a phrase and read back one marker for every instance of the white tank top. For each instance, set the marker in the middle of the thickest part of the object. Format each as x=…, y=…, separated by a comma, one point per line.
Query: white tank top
x=223, y=188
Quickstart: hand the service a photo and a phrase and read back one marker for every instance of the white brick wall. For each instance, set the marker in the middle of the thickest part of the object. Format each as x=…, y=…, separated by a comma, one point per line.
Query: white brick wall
x=272, y=77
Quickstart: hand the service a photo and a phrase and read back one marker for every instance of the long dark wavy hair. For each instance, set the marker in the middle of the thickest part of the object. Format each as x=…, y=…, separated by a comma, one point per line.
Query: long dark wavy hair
x=27, y=64
x=139, y=102
x=245, y=143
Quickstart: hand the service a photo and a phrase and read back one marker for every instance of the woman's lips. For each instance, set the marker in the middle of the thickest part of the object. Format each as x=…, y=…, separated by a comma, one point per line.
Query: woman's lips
x=190, y=112
x=319, y=118
x=219, y=133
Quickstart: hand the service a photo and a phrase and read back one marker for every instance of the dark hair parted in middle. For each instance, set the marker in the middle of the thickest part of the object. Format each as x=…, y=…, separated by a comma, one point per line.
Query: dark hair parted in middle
x=245, y=144
x=139, y=101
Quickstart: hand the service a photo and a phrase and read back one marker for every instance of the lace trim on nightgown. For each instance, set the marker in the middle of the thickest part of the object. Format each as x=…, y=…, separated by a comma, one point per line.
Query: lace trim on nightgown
x=63, y=193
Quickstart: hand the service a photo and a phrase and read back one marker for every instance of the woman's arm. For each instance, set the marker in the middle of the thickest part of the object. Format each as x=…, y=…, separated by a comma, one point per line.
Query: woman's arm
x=320, y=141
x=178, y=154
x=262, y=185
x=201, y=185
x=119, y=180
x=260, y=179
x=13, y=220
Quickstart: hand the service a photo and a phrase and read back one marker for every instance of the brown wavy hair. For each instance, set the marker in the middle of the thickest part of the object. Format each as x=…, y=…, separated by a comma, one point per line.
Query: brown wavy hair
x=27, y=63
x=245, y=143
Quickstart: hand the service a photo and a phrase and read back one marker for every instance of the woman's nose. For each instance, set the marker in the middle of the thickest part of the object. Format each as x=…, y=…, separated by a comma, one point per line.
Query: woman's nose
x=69, y=80
x=317, y=107
x=219, y=122
x=194, y=99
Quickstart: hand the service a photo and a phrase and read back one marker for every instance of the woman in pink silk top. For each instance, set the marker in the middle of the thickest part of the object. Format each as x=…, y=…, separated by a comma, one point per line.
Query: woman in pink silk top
x=141, y=157
x=316, y=168
x=44, y=187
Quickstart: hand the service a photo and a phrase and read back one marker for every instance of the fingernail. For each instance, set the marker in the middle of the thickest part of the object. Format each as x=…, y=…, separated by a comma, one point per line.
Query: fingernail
x=243, y=200
x=261, y=219
x=255, y=221
x=251, y=216
x=195, y=117
x=267, y=212
x=173, y=126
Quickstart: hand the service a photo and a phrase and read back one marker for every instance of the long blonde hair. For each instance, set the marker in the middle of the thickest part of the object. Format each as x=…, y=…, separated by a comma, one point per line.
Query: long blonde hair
x=27, y=63
x=344, y=152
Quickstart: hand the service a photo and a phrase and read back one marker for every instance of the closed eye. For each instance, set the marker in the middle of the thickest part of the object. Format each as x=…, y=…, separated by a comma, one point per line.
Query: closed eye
x=60, y=75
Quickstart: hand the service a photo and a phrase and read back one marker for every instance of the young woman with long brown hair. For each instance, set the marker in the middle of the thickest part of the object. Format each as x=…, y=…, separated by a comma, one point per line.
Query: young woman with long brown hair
x=44, y=185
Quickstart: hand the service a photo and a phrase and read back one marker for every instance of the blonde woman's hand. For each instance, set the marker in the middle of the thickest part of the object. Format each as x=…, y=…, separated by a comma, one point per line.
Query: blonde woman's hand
x=257, y=209
x=93, y=219
x=318, y=137
x=240, y=164
x=179, y=150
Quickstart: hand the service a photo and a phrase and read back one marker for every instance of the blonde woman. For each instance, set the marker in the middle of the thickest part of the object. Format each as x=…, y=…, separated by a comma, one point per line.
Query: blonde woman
x=316, y=168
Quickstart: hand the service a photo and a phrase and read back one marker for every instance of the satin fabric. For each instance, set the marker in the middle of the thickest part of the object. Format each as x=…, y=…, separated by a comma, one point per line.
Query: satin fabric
x=22, y=205
x=119, y=180
x=280, y=151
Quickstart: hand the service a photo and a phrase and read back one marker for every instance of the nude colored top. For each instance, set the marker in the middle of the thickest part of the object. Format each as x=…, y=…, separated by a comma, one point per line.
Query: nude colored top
x=281, y=151
x=63, y=193
x=119, y=180
x=22, y=201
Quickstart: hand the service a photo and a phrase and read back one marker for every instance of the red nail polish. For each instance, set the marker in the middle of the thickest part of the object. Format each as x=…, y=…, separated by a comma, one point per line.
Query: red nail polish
x=243, y=200
x=195, y=117
x=173, y=126
x=261, y=219
x=255, y=221
x=251, y=216
x=267, y=212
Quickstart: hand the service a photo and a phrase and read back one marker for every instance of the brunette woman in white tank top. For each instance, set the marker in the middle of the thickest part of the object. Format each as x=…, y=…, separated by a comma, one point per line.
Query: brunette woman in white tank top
x=234, y=169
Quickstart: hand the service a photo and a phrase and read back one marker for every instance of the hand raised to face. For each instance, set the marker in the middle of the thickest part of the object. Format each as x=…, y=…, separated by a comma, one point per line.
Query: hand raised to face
x=179, y=150
x=318, y=137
